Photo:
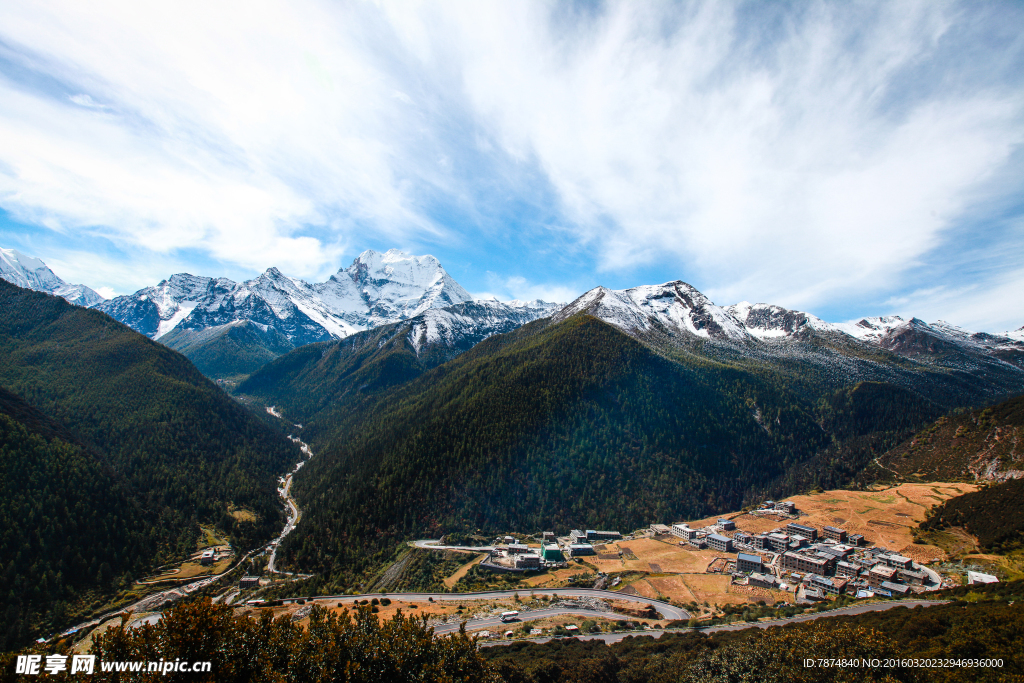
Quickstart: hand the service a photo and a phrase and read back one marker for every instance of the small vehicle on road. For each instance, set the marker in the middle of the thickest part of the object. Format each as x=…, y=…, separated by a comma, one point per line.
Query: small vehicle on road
x=509, y=616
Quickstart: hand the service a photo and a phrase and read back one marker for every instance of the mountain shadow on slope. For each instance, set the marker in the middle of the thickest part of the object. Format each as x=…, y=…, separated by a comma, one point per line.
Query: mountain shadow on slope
x=228, y=351
x=864, y=421
x=319, y=384
x=994, y=514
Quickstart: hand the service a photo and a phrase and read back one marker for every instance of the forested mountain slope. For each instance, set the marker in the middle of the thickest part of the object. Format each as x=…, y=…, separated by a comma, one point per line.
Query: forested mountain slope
x=567, y=424
x=318, y=382
x=994, y=514
x=182, y=450
x=986, y=443
x=229, y=350
x=69, y=525
x=175, y=436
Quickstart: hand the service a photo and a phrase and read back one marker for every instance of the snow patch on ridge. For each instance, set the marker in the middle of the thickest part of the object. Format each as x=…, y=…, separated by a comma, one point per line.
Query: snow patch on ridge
x=674, y=306
x=184, y=308
x=377, y=289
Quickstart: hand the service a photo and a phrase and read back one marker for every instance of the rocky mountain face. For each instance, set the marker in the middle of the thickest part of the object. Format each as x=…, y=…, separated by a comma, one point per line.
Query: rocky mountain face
x=202, y=317
x=376, y=289
x=675, y=316
x=31, y=273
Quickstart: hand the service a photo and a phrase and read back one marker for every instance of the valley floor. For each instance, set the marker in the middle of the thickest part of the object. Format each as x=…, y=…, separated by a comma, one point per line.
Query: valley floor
x=657, y=566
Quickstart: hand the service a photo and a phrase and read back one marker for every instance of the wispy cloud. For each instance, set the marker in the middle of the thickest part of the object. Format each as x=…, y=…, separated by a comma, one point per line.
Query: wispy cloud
x=820, y=156
x=519, y=287
x=989, y=307
x=804, y=154
x=250, y=130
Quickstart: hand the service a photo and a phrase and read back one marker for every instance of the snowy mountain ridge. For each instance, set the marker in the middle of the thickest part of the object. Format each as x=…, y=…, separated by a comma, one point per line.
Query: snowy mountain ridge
x=384, y=288
x=376, y=289
x=473, y=320
x=32, y=273
x=677, y=309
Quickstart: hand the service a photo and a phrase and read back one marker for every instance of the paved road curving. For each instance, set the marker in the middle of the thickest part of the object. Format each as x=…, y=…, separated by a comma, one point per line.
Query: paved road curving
x=855, y=609
x=427, y=544
x=532, y=615
x=667, y=611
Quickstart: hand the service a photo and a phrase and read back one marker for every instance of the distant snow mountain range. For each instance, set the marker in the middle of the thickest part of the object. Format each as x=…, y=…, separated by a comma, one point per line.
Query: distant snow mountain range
x=265, y=317
x=31, y=273
x=377, y=289
x=212, y=319
x=675, y=309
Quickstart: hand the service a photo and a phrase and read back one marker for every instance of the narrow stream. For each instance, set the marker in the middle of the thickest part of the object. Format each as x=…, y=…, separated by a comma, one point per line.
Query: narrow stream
x=284, y=490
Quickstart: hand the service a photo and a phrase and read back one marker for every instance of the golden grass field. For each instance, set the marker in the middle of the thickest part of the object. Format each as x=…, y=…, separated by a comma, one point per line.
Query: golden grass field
x=668, y=555
x=463, y=570
x=555, y=578
x=884, y=517
x=188, y=570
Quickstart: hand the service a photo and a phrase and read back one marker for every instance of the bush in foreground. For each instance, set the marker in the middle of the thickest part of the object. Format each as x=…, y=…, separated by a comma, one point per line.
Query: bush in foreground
x=350, y=648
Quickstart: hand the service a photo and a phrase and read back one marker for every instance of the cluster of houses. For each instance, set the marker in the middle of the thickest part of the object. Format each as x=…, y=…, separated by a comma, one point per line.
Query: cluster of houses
x=833, y=562
x=825, y=562
x=511, y=555
x=828, y=563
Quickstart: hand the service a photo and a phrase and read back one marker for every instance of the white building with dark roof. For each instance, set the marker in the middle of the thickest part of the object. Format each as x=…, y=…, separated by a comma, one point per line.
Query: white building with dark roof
x=720, y=543
x=746, y=562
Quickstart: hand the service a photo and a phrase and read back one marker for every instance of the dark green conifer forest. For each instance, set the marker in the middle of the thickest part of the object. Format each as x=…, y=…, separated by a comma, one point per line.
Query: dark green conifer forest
x=566, y=425
x=114, y=449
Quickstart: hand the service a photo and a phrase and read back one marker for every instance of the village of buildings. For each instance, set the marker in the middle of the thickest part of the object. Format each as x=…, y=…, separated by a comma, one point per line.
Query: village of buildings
x=812, y=563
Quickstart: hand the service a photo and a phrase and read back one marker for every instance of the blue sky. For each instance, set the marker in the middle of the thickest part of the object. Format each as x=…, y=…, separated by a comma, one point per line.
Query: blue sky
x=848, y=159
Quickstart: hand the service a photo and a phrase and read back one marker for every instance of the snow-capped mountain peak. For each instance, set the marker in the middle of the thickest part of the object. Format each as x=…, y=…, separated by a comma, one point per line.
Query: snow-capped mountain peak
x=397, y=266
x=767, y=321
x=396, y=285
x=32, y=273
x=376, y=289
x=675, y=310
x=674, y=307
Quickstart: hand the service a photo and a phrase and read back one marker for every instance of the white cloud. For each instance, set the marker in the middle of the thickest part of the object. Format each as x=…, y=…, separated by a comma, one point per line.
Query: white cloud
x=800, y=170
x=990, y=307
x=104, y=274
x=227, y=127
x=518, y=287
x=793, y=154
